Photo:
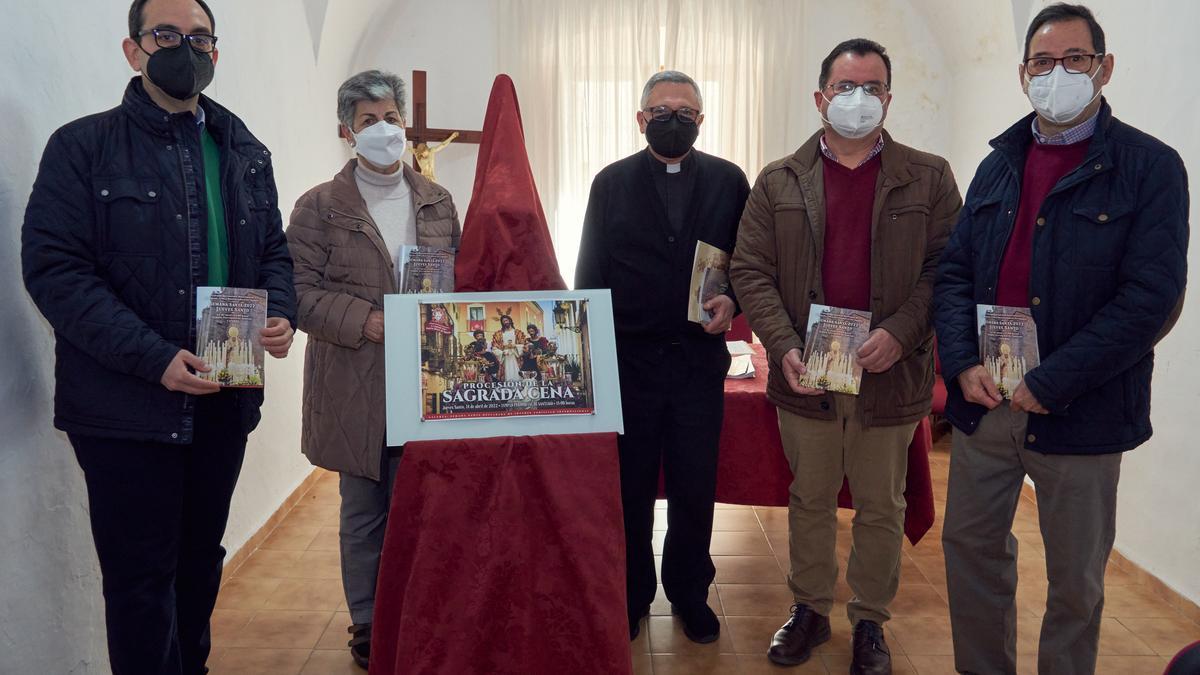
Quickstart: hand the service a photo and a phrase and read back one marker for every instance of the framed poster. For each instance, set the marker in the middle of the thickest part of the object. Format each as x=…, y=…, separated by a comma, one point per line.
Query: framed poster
x=474, y=365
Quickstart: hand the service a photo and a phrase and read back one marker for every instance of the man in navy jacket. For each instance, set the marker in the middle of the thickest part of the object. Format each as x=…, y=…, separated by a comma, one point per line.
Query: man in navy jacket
x=1082, y=219
x=132, y=210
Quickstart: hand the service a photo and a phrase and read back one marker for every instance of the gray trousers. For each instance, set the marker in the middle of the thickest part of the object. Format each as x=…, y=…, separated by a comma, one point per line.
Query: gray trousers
x=1077, y=503
x=364, y=515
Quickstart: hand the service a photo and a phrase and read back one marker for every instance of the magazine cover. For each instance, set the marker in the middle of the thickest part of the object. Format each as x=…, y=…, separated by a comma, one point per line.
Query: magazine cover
x=830, y=348
x=710, y=277
x=426, y=269
x=1007, y=344
x=505, y=359
x=228, y=322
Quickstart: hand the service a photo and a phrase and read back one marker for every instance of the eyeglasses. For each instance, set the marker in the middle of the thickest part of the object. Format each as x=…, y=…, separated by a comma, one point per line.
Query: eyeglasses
x=1072, y=63
x=662, y=113
x=166, y=38
x=872, y=88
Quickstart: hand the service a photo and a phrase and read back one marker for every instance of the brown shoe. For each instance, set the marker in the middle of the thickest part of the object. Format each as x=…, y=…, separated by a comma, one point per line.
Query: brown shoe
x=794, y=642
x=871, y=653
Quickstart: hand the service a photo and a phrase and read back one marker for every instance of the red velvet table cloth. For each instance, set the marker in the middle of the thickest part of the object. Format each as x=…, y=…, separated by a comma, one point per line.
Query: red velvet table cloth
x=752, y=469
x=504, y=555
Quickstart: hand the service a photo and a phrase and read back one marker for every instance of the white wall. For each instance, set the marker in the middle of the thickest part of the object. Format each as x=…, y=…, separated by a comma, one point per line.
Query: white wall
x=59, y=61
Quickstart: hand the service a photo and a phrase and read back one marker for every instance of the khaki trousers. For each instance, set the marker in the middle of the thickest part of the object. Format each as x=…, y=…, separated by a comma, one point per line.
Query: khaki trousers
x=875, y=461
x=1077, y=507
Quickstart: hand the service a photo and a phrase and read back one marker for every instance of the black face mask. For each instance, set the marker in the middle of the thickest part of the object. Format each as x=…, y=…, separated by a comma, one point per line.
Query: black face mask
x=181, y=72
x=671, y=139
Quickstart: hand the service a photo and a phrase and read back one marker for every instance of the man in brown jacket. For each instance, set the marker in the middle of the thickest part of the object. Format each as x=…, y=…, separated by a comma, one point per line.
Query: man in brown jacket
x=856, y=220
x=346, y=236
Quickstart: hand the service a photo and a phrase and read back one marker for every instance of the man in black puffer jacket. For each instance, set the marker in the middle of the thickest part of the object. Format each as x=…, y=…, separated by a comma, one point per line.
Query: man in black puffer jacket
x=132, y=210
x=1083, y=221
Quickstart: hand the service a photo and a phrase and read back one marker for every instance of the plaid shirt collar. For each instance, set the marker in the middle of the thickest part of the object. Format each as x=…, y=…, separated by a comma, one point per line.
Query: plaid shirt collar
x=1080, y=132
x=870, y=155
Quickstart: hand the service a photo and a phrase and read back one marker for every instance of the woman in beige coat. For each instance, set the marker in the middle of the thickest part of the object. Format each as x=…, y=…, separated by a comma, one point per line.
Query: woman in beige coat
x=346, y=236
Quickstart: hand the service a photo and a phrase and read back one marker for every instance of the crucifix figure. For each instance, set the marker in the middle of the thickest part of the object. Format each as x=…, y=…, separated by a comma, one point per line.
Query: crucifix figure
x=422, y=136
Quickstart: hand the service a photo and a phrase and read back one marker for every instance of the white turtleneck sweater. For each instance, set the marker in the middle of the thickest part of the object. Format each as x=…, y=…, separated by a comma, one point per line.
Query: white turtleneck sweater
x=389, y=201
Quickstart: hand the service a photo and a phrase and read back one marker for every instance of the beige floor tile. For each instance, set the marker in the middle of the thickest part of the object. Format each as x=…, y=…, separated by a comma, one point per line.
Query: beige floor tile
x=755, y=599
x=739, y=543
x=721, y=506
x=1136, y=602
x=741, y=520
x=316, y=565
x=641, y=645
x=695, y=664
x=257, y=661
x=1130, y=665
x=307, y=594
x=326, y=540
x=840, y=663
x=932, y=665
x=772, y=518
x=759, y=664
x=226, y=623
x=267, y=564
x=922, y=636
x=1117, y=640
x=642, y=664
x=752, y=634
x=290, y=538
x=331, y=662
x=271, y=629
x=666, y=637
x=1166, y=636
x=748, y=569
x=918, y=600
x=335, y=635
x=309, y=513
x=247, y=593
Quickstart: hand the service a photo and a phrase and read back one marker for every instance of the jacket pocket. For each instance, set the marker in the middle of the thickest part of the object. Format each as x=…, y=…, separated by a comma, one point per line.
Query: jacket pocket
x=128, y=215
x=1098, y=236
x=908, y=213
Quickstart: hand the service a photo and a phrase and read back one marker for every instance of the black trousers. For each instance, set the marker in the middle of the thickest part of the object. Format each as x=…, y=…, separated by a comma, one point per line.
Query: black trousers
x=158, y=514
x=672, y=410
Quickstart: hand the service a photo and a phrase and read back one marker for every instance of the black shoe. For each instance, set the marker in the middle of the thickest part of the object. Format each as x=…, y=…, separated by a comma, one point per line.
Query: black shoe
x=699, y=623
x=360, y=644
x=635, y=622
x=793, y=643
x=871, y=653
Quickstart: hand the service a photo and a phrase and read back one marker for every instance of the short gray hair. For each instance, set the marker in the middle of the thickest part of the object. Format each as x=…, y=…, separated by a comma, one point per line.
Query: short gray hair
x=673, y=76
x=369, y=85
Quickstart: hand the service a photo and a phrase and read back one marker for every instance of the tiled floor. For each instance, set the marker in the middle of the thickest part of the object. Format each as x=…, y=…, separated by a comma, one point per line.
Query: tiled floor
x=283, y=612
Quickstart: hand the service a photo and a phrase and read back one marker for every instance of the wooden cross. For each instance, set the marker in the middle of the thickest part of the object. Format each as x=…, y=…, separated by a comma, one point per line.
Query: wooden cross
x=420, y=133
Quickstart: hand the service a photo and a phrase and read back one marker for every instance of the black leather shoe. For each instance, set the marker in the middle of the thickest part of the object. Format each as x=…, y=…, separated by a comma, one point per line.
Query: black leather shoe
x=699, y=623
x=635, y=622
x=871, y=653
x=360, y=644
x=793, y=643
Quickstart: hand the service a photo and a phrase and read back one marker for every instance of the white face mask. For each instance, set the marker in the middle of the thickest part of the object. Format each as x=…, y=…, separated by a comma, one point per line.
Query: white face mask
x=854, y=114
x=381, y=144
x=1059, y=96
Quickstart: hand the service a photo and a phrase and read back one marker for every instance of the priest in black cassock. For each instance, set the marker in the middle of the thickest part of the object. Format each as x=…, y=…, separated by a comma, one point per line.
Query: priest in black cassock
x=644, y=216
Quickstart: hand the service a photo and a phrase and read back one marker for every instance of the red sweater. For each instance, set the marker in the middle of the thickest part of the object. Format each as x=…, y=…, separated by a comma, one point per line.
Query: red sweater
x=849, y=207
x=1045, y=165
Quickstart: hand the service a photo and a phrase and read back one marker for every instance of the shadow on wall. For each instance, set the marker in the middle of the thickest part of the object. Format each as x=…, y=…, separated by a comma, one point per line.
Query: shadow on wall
x=50, y=594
